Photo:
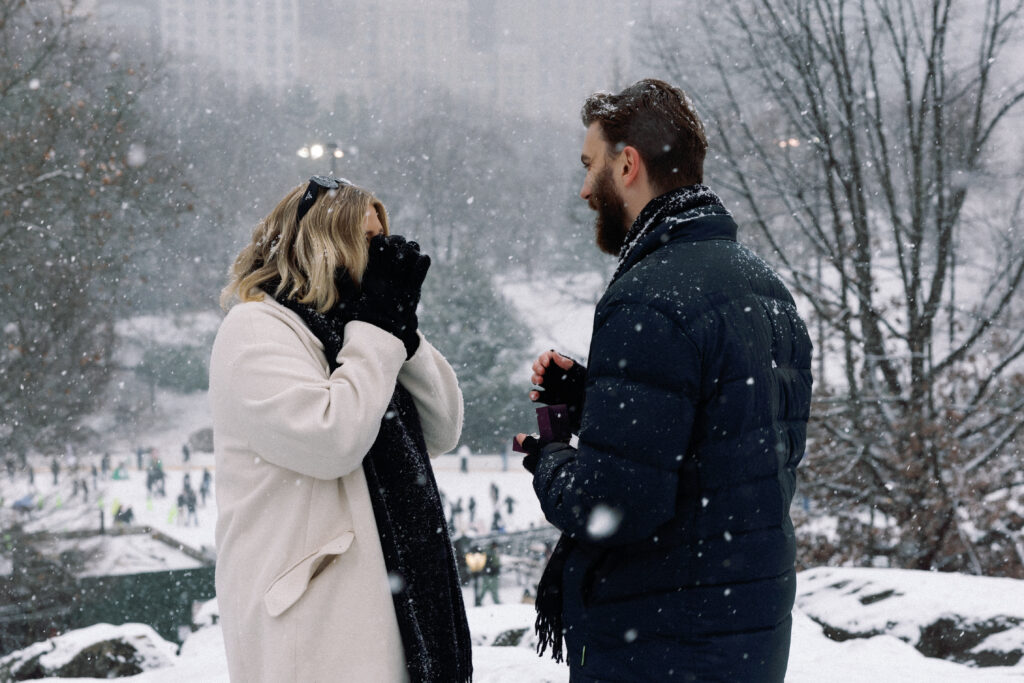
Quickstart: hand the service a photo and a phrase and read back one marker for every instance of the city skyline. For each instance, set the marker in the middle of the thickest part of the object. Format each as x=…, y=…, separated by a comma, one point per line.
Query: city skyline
x=531, y=58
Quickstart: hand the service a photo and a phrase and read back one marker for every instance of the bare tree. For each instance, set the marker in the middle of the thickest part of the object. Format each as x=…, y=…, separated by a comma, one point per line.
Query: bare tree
x=86, y=185
x=861, y=138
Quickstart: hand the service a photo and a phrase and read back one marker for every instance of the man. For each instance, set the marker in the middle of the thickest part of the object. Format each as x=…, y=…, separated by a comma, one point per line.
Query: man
x=677, y=555
x=492, y=574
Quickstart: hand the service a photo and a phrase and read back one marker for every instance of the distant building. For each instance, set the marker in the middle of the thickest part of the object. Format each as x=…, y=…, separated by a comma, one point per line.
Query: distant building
x=252, y=44
x=533, y=57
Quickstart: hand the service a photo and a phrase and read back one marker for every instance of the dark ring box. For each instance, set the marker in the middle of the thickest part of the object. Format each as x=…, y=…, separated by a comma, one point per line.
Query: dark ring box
x=552, y=424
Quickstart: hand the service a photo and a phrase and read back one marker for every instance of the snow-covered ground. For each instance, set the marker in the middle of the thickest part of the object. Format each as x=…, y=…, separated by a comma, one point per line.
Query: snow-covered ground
x=813, y=658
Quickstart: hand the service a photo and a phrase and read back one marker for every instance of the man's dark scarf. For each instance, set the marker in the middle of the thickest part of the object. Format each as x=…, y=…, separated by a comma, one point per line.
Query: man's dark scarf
x=674, y=208
x=413, y=530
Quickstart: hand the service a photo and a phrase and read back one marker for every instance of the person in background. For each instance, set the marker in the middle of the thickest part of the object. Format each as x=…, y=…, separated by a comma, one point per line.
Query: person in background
x=333, y=562
x=179, y=512
x=204, y=485
x=190, y=506
x=492, y=575
x=677, y=555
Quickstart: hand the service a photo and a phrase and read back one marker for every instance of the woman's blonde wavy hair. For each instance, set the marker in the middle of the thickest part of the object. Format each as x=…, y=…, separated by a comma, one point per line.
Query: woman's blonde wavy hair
x=305, y=256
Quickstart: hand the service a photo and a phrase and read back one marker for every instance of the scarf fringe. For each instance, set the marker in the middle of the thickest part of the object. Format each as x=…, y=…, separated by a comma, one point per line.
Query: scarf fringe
x=549, y=627
x=549, y=632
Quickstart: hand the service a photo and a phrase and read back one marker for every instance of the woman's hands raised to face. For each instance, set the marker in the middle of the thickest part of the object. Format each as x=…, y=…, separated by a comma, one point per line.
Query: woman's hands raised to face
x=391, y=287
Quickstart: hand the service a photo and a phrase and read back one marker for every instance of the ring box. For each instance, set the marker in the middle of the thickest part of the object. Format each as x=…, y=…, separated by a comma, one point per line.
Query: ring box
x=552, y=424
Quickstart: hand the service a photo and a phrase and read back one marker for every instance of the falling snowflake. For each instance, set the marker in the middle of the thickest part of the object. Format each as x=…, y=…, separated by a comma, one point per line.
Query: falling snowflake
x=603, y=522
x=136, y=155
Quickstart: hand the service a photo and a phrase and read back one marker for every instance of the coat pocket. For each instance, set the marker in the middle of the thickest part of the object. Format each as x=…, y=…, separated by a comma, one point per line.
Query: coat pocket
x=288, y=587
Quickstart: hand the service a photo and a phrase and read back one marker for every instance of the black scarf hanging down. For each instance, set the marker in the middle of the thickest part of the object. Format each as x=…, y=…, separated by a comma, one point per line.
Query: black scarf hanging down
x=417, y=550
x=550, y=630
x=413, y=532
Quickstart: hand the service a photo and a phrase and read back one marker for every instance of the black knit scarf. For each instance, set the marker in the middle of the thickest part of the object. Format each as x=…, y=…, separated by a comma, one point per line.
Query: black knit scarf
x=413, y=530
x=677, y=206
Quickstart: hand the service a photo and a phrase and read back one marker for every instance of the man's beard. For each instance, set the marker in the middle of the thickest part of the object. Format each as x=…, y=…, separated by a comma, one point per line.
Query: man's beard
x=610, y=225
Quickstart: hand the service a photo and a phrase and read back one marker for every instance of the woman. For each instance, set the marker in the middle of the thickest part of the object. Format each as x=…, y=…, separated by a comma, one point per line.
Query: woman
x=334, y=562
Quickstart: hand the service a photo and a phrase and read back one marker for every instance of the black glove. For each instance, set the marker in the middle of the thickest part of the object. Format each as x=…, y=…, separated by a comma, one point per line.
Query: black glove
x=532, y=447
x=565, y=386
x=391, y=288
x=344, y=308
x=555, y=452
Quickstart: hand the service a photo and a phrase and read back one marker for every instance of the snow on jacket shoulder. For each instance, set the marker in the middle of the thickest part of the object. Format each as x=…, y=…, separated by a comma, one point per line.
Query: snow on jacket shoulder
x=301, y=580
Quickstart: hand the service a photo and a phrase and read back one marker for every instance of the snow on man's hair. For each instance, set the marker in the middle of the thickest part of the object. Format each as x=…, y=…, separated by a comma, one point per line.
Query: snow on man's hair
x=660, y=121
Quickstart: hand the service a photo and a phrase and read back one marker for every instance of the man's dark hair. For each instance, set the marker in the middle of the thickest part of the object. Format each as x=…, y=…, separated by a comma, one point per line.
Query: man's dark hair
x=661, y=123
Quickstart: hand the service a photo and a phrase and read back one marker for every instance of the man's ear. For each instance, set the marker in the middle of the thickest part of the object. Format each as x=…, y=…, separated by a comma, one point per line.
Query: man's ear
x=631, y=165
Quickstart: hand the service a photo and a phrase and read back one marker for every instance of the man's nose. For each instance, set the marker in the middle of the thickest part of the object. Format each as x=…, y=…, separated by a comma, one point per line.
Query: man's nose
x=585, y=192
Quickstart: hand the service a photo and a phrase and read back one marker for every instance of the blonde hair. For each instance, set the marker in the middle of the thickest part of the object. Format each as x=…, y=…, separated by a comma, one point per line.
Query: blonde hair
x=305, y=256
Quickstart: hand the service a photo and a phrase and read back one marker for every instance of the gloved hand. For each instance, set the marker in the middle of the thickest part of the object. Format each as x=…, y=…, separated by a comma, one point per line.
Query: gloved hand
x=554, y=452
x=558, y=385
x=391, y=286
x=531, y=445
x=344, y=308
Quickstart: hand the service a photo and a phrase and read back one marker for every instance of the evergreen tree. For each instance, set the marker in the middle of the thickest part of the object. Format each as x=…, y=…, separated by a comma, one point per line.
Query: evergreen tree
x=479, y=332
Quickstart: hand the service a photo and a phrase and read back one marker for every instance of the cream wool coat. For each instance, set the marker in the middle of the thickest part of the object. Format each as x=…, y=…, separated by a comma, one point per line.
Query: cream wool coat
x=301, y=582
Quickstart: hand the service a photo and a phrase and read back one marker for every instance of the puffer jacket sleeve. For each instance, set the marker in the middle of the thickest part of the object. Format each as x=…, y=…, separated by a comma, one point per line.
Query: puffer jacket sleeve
x=643, y=384
x=278, y=399
x=435, y=390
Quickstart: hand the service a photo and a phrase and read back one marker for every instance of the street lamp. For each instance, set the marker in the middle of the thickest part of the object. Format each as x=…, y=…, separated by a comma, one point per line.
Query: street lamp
x=317, y=150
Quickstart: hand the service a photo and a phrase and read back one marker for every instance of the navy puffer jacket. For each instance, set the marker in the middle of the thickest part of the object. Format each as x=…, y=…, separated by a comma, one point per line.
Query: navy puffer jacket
x=677, y=498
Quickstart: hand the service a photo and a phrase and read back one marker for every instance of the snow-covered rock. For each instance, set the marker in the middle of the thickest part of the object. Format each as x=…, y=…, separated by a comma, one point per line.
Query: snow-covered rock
x=98, y=651
x=972, y=620
x=503, y=626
